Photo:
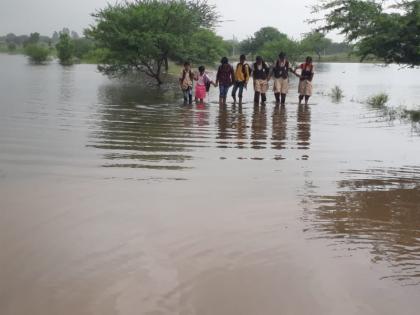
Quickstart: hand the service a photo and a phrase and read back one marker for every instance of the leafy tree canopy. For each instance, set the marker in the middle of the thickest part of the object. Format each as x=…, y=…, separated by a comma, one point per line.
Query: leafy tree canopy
x=142, y=35
x=260, y=38
x=315, y=42
x=65, y=49
x=389, y=32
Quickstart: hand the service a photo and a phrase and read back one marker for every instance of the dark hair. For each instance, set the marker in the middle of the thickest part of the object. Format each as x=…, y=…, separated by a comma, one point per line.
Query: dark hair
x=282, y=55
x=187, y=63
x=224, y=60
x=201, y=68
x=258, y=58
x=309, y=59
x=242, y=57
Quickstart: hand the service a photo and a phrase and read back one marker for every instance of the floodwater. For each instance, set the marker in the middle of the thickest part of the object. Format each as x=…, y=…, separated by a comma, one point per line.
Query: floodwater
x=117, y=199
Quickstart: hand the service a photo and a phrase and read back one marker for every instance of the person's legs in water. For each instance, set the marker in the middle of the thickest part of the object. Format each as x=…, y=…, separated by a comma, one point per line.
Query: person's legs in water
x=306, y=99
x=300, y=99
x=185, y=95
x=257, y=98
x=263, y=98
x=283, y=99
x=190, y=96
x=235, y=88
x=277, y=95
x=241, y=91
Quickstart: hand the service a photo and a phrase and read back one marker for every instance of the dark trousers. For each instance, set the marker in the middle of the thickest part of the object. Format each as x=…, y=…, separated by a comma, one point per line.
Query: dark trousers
x=257, y=97
x=187, y=95
x=283, y=98
x=239, y=85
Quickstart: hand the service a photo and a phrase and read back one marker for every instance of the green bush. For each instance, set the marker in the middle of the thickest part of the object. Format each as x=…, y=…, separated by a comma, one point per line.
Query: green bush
x=37, y=53
x=65, y=49
x=336, y=94
x=378, y=100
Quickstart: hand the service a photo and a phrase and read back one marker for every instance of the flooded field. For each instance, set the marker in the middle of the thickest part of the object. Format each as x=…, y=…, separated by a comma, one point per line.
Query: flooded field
x=117, y=199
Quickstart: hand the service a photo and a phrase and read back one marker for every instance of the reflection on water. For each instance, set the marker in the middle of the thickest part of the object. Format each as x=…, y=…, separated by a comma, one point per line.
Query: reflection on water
x=278, y=140
x=304, y=127
x=259, y=128
x=377, y=210
x=156, y=136
x=94, y=218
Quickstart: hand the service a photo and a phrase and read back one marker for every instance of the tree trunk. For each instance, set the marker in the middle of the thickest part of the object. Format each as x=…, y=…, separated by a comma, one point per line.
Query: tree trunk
x=166, y=65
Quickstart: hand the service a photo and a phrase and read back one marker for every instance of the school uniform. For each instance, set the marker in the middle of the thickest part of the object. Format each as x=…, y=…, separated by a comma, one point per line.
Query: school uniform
x=241, y=79
x=186, y=81
x=260, y=75
x=225, y=76
x=281, y=77
x=305, y=84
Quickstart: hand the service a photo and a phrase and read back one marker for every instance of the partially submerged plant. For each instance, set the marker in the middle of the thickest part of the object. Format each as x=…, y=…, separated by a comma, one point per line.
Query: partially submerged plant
x=336, y=94
x=378, y=100
x=413, y=115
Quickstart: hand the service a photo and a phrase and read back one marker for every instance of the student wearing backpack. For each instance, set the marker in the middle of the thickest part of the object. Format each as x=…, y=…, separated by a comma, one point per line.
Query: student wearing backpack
x=305, y=80
x=203, y=84
x=242, y=73
x=224, y=78
x=280, y=74
x=186, y=82
x=261, y=76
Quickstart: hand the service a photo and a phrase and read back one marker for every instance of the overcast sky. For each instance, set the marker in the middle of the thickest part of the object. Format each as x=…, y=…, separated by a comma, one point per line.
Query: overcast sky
x=46, y=16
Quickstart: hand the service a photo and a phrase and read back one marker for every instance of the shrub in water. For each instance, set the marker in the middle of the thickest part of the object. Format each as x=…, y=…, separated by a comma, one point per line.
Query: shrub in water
x=37, y=53
x=336, y=93
x=378, y=100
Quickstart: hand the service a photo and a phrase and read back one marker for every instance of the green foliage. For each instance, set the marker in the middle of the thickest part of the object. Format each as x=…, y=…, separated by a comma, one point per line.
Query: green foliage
x=37, y=53
x=390, y=36
x=144, y=34
x=414, y=115
x=336, y=94
x=378, y=100
x=315, y=42
x=261, y=37
x=271, y=49
x=32, y=40
x=11, y=47
x=82, y=47
x=65, y=49
x=204, y=47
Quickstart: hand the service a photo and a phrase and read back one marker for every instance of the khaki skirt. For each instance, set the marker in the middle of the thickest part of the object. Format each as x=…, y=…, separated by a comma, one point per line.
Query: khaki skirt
x=305, y=88
x=261, y=86
x=281, y=86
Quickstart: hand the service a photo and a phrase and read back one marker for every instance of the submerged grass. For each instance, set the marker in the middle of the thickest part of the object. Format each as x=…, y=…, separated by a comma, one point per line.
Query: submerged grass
x=413, y=115
x=336, y=94
x=378, y=100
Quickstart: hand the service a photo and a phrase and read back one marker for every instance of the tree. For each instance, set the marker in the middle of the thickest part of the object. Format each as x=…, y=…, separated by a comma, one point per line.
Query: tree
x=142, y=35
x=262, y=36
x=82, y=46
x=37, y=53
x=65, y=49
x=204, y=47
x=55, y=37
x=270, y=50
x=315, y=42
x=11, y=46
x=32, y=40
x=74, y=35
x=392, y=36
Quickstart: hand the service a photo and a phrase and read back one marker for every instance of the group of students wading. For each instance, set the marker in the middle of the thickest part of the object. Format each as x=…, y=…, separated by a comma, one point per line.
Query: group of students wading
x=261, y=74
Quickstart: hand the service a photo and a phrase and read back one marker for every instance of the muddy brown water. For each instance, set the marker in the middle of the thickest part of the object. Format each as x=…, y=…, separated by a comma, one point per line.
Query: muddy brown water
x=116, y=199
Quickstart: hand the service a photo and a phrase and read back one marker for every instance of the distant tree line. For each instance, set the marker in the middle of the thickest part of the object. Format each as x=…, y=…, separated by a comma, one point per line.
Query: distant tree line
x=67, y=45
x=145, y=35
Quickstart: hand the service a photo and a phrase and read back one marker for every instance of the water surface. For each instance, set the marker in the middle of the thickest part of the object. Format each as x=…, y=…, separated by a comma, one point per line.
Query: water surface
x=117, y=199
